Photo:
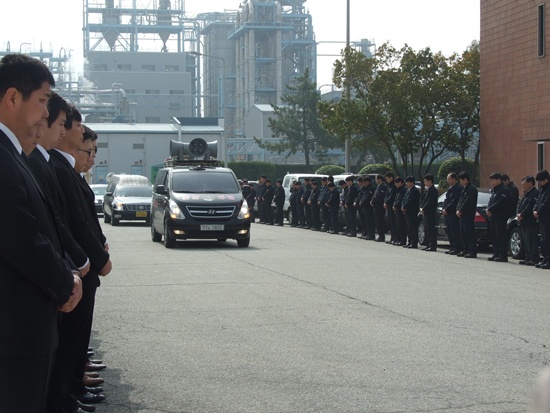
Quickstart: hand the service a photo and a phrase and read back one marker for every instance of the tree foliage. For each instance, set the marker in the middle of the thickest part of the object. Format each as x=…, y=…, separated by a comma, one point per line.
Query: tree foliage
x=410, y=105
x=297, y=123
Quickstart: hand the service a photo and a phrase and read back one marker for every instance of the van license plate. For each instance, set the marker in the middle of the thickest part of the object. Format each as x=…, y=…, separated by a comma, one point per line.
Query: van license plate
x=141, y=214
x=212, y=227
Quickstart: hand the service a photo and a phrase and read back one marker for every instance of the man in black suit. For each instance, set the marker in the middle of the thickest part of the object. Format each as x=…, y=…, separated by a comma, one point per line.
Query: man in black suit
x=377, y=203
x=279, y=200
x=498, y=212
x=333, y=204
x=541, y=211
x=527, y=222
x=466, y=210
x=400, y=224
x=45, y=175
x=268, y=195
x=350, y=207
x=313, y=202
x=36, y=282
x=428, y=207
x=449, y=212
x=77, y=326
x=389, y=199
x=410, y=206
x=367, y=210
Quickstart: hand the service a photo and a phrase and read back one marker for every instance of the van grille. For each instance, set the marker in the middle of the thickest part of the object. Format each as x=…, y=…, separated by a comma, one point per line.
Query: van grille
x=209, y=212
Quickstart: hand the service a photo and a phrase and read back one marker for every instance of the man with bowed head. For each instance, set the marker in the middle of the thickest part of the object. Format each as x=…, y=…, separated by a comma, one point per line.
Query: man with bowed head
x=36, y=276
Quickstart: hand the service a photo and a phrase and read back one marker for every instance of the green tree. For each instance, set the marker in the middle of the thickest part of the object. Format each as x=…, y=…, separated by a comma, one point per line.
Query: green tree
x=297, y=123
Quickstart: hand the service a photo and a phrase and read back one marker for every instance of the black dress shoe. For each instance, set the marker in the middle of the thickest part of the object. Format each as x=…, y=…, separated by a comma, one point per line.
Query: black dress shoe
x=380, y=240
x=413, y=247
x=85, y=407
x=461, y=254
x=545, y=266
x=90, y=398
x=448, y=252
x=453, y=252
x=470, y=255
x=424, y=249
x=94, y=390
x=530, y=263
x=492, y=258
x=501, y=259
x=78, y=410
x=430, y=249
x=406, y=245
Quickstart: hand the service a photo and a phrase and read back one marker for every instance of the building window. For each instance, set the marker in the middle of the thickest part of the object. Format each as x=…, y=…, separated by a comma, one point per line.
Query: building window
x=102, y=144
x=148, y=68
x=138, y=146
x=101, y=68
x=125, y=67
x=177, y=92
x=130, y=91
x=152, y=119
x=172, y=68
x=175, y=106
x=152, y=91
x=540, y=156
x=541, y=35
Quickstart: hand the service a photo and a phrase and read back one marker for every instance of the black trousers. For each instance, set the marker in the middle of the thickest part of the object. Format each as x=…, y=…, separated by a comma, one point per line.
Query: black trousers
x=294, y=209
x=71, y=355
x=315, y=216
x=334, y=224
x=326, y=216
x=379, y=214
x=468, y=234
x=309, y=218
x=268, y=213
x=261, y=211
x=412, y=228
x=301, y=214
x=453, y=231
x=401, y=227
x=392, y=223
x=530, y=236
x=351, y=213
x=499, y=236
x=280, y=214
x=369, y=229
x=431, y=229
x=545, y=240
x=24, y=384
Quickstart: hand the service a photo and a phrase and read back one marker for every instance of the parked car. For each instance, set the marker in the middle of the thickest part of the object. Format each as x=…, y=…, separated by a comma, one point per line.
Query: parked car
x=128, y=203
x=99, y=193
x=481, y=221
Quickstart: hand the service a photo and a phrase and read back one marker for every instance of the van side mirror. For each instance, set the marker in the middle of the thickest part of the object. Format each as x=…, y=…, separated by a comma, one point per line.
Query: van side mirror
x=161, y=190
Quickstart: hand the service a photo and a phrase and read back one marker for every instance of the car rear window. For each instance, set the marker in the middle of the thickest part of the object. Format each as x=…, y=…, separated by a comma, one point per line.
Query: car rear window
x=205, y=183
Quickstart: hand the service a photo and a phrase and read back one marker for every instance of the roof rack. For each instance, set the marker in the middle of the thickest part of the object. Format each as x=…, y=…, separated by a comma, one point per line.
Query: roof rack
x=171, y=162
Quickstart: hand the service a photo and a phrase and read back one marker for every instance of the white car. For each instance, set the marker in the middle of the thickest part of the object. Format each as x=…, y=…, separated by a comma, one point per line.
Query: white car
x=99, y=192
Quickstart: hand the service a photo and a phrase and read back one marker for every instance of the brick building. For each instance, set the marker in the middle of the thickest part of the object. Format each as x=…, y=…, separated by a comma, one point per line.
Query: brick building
x=515, y=88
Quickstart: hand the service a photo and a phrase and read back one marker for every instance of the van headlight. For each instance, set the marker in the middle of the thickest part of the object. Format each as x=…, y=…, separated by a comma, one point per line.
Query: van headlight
x=119, y=205
x=175, y=211
x=244, y=213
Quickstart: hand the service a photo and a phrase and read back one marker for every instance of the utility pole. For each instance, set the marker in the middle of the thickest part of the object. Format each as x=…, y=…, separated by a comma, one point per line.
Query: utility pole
x=347, y=144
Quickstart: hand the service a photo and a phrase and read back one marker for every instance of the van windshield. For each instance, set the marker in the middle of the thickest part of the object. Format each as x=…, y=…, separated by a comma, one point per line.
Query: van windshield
x=204, y=183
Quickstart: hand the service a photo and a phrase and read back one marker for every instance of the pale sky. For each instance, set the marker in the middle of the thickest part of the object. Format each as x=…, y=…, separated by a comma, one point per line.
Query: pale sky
x=443, y=25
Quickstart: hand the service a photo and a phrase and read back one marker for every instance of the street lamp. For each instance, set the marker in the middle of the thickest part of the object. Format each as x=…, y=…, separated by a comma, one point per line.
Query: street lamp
x=222, y=107
x=347, y=142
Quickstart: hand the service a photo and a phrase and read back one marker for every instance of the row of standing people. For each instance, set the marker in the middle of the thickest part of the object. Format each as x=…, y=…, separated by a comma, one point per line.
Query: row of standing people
x=52, y=247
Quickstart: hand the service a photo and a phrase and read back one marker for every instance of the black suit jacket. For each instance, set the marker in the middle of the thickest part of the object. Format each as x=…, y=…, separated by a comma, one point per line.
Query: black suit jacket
x=34, y=278
x=83, y=228
x=45, y=175
x=429, y=200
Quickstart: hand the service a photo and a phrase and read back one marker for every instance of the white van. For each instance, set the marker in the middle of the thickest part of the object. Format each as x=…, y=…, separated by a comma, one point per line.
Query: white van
x=288, y=180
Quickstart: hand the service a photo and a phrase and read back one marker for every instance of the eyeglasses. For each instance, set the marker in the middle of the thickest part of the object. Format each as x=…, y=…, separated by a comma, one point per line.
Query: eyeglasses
x=89, y=151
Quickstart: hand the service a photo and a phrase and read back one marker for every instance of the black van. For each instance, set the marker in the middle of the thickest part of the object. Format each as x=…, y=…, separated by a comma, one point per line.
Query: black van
x=198, y=202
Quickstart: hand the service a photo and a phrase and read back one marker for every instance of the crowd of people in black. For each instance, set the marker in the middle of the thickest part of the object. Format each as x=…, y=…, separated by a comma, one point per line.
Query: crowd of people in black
x=52, y=248
x=391, y=206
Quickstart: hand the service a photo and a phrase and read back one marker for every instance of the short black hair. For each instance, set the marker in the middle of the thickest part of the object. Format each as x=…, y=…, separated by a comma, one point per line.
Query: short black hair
x=331, y=185
x=324, y=179
x=298, y=183
x=495, y=175
x=24, y=73
x=360, y=179
x=398, y=180
x=349, y=178
x=56, y=105
x=429, y=177
x=89, y=134
x=389, y=175
x=529, y=178
x=279, y=181
x=263, y=176
x=505, y=177
x=452, y=175
x=341, y=182
x=74, y=116
x=380, y=176
x=367, y=179
x=464, y=175
x=268, y=181
x=410, y=178
x=313, y=182
x=542, y=175
x=330, y=178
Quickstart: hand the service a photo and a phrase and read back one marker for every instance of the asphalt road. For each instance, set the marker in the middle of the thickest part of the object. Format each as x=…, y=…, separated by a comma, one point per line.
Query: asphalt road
x=308, y=322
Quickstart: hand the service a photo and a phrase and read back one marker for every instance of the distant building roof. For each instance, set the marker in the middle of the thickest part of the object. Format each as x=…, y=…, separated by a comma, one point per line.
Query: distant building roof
x=264, y=108
x=159, y=128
